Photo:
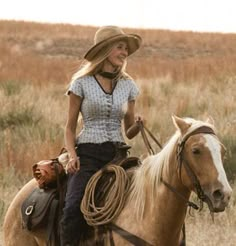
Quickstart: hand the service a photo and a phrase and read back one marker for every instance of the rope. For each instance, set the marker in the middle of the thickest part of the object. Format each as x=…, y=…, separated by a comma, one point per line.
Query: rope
x=114, y=192
x=114, y=199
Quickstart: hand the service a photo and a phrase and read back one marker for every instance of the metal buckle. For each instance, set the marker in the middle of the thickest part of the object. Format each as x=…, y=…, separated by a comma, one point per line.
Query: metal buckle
x=29, y=210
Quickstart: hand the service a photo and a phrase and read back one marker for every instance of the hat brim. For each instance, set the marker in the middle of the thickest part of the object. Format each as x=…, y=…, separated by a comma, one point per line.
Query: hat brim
x=134, y=41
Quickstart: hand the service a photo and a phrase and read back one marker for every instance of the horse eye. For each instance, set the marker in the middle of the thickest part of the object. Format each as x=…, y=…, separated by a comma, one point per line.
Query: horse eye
x=196, y=151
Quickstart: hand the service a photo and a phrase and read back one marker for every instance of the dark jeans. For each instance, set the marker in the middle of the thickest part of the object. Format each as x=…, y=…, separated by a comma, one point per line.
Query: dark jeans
x=92, y=158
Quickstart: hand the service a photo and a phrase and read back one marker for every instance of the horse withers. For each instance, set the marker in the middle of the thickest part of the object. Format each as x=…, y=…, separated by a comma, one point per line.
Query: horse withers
x=155, y=210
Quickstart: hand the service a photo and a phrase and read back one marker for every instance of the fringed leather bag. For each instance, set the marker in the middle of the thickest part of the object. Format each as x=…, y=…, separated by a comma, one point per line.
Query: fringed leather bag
x=49, y=172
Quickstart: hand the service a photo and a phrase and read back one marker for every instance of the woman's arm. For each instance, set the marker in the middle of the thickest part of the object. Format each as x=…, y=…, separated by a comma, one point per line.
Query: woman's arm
x=70, y=132
x=130, y=124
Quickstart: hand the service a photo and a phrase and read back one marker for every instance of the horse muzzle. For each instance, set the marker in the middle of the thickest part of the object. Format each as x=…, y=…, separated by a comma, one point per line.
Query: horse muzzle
x=218, y=199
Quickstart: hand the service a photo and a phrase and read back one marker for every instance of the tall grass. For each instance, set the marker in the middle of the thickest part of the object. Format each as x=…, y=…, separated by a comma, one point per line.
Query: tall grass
x=162, y=97
x=31, y=122
x=202, y=230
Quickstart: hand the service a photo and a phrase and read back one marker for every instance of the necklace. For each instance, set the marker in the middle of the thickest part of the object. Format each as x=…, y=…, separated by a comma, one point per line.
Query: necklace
x=108, y=75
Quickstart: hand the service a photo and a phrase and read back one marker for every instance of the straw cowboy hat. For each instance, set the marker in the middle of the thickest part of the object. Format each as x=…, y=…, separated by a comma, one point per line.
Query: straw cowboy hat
x=109, y=34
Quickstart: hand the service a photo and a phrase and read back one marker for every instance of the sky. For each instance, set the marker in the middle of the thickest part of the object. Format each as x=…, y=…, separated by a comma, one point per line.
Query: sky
x=186, y=15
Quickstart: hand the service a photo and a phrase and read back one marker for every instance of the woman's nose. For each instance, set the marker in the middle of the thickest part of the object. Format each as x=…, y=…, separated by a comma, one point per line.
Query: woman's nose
x=125, y=52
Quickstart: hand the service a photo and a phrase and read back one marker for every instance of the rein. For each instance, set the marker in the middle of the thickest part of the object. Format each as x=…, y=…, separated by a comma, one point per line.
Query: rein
x=133, y=239
x=143, y=129
x=189, y=203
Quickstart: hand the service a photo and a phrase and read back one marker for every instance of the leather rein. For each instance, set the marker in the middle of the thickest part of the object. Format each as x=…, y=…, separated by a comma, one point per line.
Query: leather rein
x=181, y=162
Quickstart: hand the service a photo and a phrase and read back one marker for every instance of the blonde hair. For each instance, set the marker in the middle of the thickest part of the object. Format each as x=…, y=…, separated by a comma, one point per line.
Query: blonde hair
x=94, y=66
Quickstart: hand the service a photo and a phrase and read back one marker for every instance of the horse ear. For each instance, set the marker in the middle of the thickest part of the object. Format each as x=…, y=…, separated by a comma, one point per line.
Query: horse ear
x=210, y=120
x=180, y=124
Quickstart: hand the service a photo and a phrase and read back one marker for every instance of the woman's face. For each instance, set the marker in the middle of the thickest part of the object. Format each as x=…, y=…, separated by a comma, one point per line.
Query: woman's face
x=118, y=54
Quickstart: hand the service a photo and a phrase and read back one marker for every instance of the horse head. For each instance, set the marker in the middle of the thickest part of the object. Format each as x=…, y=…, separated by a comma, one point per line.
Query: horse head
x=200, y=157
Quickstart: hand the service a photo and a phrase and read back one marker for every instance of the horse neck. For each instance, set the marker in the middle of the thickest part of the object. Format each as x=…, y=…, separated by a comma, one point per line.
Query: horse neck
x=163, y=212
x=168, y=208
x=171, y=176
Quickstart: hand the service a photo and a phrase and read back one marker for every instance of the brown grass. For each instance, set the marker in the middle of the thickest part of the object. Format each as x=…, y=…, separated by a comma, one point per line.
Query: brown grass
x=55, y=51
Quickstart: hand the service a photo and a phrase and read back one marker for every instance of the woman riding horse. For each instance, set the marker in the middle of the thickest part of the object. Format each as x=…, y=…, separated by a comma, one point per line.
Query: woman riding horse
x=155, y=210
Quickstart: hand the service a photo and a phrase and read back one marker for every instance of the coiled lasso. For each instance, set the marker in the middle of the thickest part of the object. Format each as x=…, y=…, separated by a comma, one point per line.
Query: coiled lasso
x=114, y=199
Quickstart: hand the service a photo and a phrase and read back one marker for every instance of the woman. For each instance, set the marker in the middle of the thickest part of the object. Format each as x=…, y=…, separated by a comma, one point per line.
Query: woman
x=105, y=95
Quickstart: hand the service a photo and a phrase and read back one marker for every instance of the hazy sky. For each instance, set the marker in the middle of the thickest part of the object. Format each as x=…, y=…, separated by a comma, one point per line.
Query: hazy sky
x=195, y=15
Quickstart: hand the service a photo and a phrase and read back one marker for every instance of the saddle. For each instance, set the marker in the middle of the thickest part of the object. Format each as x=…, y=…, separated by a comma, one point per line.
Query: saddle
x=43, y=207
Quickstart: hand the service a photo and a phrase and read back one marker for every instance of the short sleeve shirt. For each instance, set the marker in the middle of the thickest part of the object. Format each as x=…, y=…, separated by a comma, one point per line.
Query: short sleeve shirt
x=102, y=112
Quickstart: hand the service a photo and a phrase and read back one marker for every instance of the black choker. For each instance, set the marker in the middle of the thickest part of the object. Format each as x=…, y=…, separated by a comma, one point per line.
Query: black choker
x=108, y=75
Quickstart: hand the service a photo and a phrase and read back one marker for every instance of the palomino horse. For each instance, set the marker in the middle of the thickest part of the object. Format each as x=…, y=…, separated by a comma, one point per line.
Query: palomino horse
x=155, y=209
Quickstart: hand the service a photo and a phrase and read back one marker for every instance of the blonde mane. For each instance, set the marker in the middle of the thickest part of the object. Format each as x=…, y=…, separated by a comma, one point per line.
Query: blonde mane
x=147, y=177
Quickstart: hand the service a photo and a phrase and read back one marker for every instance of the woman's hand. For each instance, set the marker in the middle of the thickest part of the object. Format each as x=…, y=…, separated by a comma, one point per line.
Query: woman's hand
x=132, y=122
x=139, y=119
x=73, y=165
x=134, y=129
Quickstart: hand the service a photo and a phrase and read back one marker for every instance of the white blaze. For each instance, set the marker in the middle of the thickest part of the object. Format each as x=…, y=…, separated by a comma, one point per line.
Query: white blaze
x=215, y=148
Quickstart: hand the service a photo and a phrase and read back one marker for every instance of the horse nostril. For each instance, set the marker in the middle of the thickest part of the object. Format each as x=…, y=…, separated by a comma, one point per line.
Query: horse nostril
x=227, y=197
x=218, y=195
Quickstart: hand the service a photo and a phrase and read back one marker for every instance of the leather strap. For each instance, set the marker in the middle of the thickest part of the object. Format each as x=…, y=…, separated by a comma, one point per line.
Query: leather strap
x=190, y=204
x=133, y=239
x=200, y=193
x=112, y=243
x=143, y=130
x=51, y=226
x=202, y=129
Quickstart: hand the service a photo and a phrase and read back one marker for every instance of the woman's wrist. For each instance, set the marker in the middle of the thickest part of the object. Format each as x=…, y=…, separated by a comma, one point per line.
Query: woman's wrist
x=133, y=130
x=136, y=126
x=73, y=156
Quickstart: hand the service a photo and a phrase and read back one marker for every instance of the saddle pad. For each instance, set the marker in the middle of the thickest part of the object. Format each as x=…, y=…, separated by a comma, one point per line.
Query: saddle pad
x=35, y=207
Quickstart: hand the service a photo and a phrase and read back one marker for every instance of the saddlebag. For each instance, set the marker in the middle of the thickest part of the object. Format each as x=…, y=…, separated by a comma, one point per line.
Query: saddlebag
x=40, y=208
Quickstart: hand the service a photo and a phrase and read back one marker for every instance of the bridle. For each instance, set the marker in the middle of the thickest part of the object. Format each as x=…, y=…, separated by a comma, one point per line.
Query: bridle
x=181, y=162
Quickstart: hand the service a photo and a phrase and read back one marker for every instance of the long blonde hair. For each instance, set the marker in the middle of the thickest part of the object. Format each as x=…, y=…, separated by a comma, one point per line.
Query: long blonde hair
x=94, y=66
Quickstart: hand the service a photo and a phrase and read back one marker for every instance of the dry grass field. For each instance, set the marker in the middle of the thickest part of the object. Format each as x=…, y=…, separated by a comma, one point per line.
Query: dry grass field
x=183, y=73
